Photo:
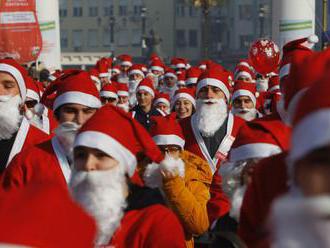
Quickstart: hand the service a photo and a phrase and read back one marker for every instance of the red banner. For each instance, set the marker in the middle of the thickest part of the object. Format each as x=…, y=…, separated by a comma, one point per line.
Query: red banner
x=20, y=36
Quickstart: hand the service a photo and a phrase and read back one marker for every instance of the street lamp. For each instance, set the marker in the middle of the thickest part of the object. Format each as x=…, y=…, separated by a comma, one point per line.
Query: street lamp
x=262, y=13
x=143, y=40
x=112, y=22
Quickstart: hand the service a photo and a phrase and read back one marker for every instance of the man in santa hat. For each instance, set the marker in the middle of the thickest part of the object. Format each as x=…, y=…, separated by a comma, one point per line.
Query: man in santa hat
x=74, y=104
x=244, y=100
x=109, y=95
x=123, y=96
x=104, y=162
x=125, y=64
x=170, y=80
x=144, y=110
x=135, y=76
x=211, y=130
x=162, y=102
x=15, y=131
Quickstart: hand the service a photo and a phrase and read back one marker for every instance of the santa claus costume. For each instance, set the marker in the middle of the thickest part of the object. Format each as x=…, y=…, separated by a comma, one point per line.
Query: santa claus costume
x=49, y=161
x=26, y=135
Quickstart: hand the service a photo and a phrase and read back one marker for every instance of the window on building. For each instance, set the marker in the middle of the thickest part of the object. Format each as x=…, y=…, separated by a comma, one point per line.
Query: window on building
x=245, y=41
x=193, y=38
x=106, y=38
x=180, y=10
x=77, y=8
x=77, y=39
x=64, y=38
x=123, y=37
x=63, y=8
x=123, y=6
x=136, y=37
x=193, y=11
x=92, y=39
x=137, y=7
x=107, y=7
x=92, y=8
x=245, y=11
x=180, y=38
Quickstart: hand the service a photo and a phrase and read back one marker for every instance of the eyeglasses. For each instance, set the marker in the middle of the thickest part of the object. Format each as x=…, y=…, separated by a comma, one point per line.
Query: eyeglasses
x=30, y=104
x=108, y=99
x=169, y=149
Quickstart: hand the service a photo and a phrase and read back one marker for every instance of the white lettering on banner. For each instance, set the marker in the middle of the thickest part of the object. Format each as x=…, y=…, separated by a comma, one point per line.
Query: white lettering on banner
x=17, y=17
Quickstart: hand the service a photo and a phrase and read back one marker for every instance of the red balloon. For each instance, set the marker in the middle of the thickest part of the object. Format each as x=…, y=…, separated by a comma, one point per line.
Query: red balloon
x=265, y=56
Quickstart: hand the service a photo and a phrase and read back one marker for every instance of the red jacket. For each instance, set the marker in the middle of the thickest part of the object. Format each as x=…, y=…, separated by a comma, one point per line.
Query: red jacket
x=269, y=180
x=44, y=162
x=149, y=227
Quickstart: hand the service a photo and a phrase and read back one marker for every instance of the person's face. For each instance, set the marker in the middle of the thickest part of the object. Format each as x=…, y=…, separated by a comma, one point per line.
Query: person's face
x=243, y=102
x=90, y=159
x=73, y=112
x=157, y=73
x=173, y=150
x=312, y=173
x=135, y=76
x=8, y=85
x=124, y=68
x=144, y=98
x=244, y=78
x=163, y=107
x=109, y=100
x=211, y=92
x=122, y=99
x=170, y=81
x=104, y=81
x=183, y=108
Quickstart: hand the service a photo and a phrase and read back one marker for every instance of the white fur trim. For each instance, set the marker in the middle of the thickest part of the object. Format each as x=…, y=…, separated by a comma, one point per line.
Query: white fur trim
x=192, y=80
x=213, y=82
x=52, y=78
x=108, y=94
x=243, y=63
x=180, y=66
x=115, y=70
x=136, y=72
x=313, y=39
x=162, y=100
x=18, y=77
x=95, y=78
x=203, y=67
x=170, y=74
x=256, y=150
x=244, y=74
x=275, y=87
x=311, y=133
x=186, y=96
x=147, y=89
x=285, y=70
x=122, y=93
x=173, y=165
x=108, y=145
x=157, y=68
x=32, y=94
x=248, y=93
x=152, y=177
x=78, y=98
x=104, y=74
x=126, y=63
x=169, y=139
x=181, y=83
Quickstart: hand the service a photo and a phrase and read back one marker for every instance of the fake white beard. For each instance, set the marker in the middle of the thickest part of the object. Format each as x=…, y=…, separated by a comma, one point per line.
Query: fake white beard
x=66, y=133
x=10, y=116
x=152, y=176
x=210, y=117
x=245, y=113
x=102, y=195
x=262, y=85
x=301, y=221
x=132, y=85
x=123, y=106
x=169, y=90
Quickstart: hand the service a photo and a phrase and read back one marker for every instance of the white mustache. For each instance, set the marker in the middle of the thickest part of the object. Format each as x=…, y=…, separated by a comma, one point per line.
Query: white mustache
x=210, y=100
x=5, y=98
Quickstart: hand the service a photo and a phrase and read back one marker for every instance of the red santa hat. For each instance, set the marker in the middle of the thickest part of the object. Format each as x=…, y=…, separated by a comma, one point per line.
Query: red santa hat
x=32, y=89
x=244, y=62
x=170, y=73
x=157, y=65
x=94, y=73
x=243, y=71
x=298, y=47
x=243, y=88
x=274, y=84
x=311, y=120
x=122, y=89
x=303, y=74
x=103, y=67
x=44, y=215
x=187, y=93
x=205, y=64
x=192, y=75
x=74, y=87
x=126, y=60
x=181, y=78
x=18, y=72
x=116, y=69
x=136, y=69
x=109, y=91
x=162, y=97
x=256, y=140
x=101, y=132
x=147, y=85
x=178, y=63
x=165, y=130
x=214, y=77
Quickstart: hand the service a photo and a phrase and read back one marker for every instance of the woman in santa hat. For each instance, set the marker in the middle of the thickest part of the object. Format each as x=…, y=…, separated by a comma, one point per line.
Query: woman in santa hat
x=184, y=103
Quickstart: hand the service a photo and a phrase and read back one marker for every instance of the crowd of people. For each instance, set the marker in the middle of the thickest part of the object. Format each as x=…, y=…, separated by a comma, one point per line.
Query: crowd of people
x=167, y=155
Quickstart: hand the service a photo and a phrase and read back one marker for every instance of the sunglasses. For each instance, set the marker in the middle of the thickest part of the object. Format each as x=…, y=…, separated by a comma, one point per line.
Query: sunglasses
x=169, y=149
x=31, y=104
